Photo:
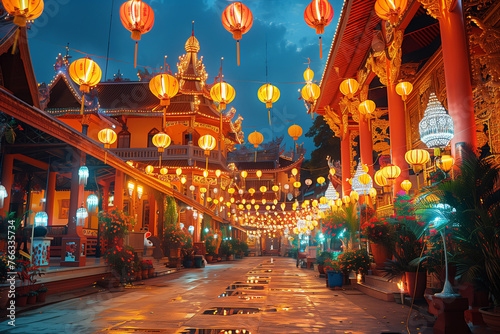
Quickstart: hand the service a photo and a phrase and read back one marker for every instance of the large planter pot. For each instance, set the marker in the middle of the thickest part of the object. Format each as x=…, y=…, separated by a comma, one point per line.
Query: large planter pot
x=335, y=279
x=31, y=299
x=421, y=280
x=321, y=269
x=491, y=317
x=230, y=257
x=175, y=252
x=21, y=301
x=187, y=264
x=41, y=297
x=151, y=272
x=138, y=275
x=144, y=274
x=209, y=258
x=380, y=254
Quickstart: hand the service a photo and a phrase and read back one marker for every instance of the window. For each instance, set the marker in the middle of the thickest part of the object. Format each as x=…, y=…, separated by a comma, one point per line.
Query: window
x=150, y=137
x=123, y=140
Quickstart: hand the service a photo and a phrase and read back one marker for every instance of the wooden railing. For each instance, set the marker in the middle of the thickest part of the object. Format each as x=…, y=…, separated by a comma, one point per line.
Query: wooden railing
x=176, y=152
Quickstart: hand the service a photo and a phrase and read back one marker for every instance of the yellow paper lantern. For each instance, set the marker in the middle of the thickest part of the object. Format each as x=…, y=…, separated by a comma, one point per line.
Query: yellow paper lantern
x=406, y=185
x=268, y=94
x=404, y=89
x=23, y=11
x=231, y=191
x=367, y=107
x=364, y=179
x=390, y=10
x=417, y=158
x=203, y=190
x=354, y=196
x=380, y=179
x=207, y=143
x=308, y=75
x=294, y=171
x=346, y=200
x=391, y=172
x=275, y=188
x=373, y=193
x=332, y=171
x=222, y=93
x=251, y=191
x=244, y=174
x=310, y=92
x=321, y=180
x=296, y=184
x=164, y=87
x=86, y=73
x=263, y=189
x=338, y=202
x=349, y=87
x=258, y=173
x=445, y=163
x=149, y=169
x=255, y=138
x=107, y=137
x=178, y=171
x=164, y=171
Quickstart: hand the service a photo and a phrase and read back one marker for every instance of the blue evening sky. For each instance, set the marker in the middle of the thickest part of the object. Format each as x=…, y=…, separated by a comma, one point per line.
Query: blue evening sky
x=84, y=24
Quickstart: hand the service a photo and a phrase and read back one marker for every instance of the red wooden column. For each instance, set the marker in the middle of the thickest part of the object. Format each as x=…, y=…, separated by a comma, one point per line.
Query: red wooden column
x=345, y=159
x=397, y=127
x=365, y=143
x=7, y=179
x=50, y=198
x=457, y=75
x=118, y=190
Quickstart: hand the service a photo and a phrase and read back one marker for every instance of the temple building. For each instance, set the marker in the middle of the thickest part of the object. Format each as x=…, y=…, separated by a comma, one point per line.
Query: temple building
x=446, y=52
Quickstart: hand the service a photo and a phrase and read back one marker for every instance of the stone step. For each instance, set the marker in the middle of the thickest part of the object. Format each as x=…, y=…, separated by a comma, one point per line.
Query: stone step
x=381, y=283
x=376, y=292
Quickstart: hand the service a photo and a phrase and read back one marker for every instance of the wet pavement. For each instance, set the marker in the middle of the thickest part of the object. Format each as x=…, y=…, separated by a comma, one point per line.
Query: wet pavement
x=253, y=295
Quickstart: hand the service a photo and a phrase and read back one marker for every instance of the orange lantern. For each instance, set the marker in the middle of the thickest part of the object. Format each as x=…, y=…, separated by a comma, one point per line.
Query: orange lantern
x=161, y=140
x=86, y=73
x=321, y=180
x=275, y=188
x=259, y=174
x=164, y=87
x=349, y=87
x=263, y=189
x=445, y=162
x=107, y=137
x=406, y=185
x=417, y=158
x=373, y=193
x=295, y=131
x=308, y=75
x=150, y=169
x=138, y=17
x=390, y=10
x=23, y=11
x=332, y=171
x=391, y=172
x=296, y=184
x=222, y=93
x=207, y=143
x=380, y=179
x=367, y=107
x=354, y=196
x=404, y=89
x=310, y=93
x=318, y=14
x=268, y=94
x=364, y=179
x=164, y=171
x=255, y=138
x=237, y=19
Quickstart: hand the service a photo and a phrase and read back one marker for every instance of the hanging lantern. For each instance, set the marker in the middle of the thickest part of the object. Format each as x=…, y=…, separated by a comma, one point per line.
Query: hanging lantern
x=23, y=11
x=338, y=202
x=391, y=172
x=149, y=169
x=321, y=180
x=251, y=191
x=255, y=138
x=161, y=140
x=138, y=17
x=373, y=193
x=222, y=93
x=92, y=202
x=3, y=195
x=390, y=10
x=203, y=190
x=164, y=87
x=268, y=94
x=283, y=206
x=296, y=184
x=275, y=188
x=294, y=172
x=367, y=107
x=295, y=131
x=364, y=179
x=163, y=171
x=263, y=189
x=380, y=179
x=310, y=93
x=258, y=173
x=354, y=196
x=207, y=143
x=308, y=182
x=332, y=171
x=86, y=73
x=107, y=137
x=231, y=191
x=404, y=89
x=178, y=171
x=237, y=19
x=436, y=127
x=81, y=215
x=346, y=200
x=445, y=163
x=417, y=159
x=406, y=185
x=41, y=219
x=83, y=175
x=205, y=173
x=318, y=14
x=349, y=87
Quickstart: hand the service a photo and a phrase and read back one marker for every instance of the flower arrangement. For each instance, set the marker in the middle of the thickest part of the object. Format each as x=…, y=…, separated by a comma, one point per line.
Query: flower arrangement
x=212, y=241
x=121, y=261
x=226, y=248
x=331, y=265
x=354, y=260
x=146, y=264
x=174, y=237
x=115, y=224
x=378, y=231
x=188, y=239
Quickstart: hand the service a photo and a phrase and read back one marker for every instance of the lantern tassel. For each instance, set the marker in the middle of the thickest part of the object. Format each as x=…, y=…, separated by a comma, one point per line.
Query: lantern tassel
x=105, y=156
x=238, y=51
x=255, y=156
x=320, y=49
x=269, y=112
x=135, y=59
x=83, y=103
x=14, y=46
x=159, y=155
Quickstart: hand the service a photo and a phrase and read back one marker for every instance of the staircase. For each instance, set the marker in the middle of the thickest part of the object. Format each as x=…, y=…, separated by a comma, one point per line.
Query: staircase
x=160, y=266
x=378, y=287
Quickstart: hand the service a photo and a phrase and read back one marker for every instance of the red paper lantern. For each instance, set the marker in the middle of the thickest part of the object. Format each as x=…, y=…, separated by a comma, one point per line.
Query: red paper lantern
x=138, y=17
x=237, y=19
x=318, y=15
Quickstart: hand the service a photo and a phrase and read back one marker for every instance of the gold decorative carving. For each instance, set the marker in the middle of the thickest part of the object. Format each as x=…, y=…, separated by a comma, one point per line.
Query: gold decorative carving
x=380, y=133
x=378, y=64
x=353, y=144
x=334, y=121
x=200, y=180
x=408, y=71
x=433, y=8
x=486, y=63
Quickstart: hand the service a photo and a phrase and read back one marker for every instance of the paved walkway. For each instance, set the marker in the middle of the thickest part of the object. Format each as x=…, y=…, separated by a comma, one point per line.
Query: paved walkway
x=285, y=300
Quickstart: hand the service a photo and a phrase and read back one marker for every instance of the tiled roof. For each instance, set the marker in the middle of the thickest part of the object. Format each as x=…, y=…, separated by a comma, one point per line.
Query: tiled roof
x=126, y=95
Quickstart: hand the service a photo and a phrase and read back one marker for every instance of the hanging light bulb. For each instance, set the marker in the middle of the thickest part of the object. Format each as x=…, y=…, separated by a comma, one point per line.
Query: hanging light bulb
x=83, y=175
x=41, y=219
x=81, y=215
x=92, y=202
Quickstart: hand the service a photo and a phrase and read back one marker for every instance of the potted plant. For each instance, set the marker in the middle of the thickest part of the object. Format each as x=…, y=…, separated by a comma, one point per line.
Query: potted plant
x=28, y=274
x=334, y=273
x=4, y=262
x=321, y=258
x=151, y=268
x=379, y=233
x=212, y=242
x=121, y=261
x=354, y=262
x=42, y=294
x=21, y=299
x=137, y=269
x=174, y=238
x=32, y=297
x=115, y=226
x=187, y=257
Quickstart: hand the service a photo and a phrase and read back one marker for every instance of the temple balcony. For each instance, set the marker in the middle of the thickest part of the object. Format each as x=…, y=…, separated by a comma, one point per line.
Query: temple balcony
x=172, y=153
